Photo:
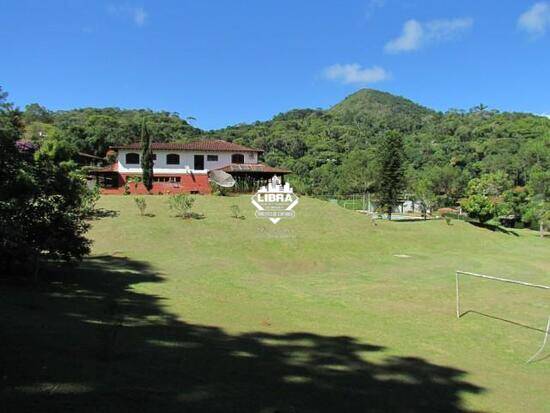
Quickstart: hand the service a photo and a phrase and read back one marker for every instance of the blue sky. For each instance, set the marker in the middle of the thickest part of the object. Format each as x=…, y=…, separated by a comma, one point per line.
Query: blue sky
x=226, y=62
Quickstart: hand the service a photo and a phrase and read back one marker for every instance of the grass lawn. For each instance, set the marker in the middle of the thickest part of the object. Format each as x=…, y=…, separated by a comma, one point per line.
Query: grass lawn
x=325, y=312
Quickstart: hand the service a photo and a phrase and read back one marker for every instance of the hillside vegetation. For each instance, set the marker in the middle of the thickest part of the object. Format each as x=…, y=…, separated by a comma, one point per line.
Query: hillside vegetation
x=377, y=104
x=324, y=148
x=500, y=161
x=327, y=150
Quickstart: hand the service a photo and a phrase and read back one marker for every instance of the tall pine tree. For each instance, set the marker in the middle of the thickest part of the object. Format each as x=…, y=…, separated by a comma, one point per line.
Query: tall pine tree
x=146, y=157
x=391, y=176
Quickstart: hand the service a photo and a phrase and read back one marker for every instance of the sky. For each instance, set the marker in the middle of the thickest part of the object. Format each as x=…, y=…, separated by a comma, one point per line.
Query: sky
x=226, y=62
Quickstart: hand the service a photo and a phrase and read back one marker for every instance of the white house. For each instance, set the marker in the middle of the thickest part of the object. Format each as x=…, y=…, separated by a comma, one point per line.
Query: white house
x=182, y=167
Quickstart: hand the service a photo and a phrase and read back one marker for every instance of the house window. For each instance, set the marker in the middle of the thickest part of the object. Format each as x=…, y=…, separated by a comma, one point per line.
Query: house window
x=171, y=179
x=237, y=158
x=212, y=158
x=132, y=158
x=172, y=159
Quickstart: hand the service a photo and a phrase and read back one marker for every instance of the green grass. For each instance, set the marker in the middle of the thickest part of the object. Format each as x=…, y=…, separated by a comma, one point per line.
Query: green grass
x=312, y=314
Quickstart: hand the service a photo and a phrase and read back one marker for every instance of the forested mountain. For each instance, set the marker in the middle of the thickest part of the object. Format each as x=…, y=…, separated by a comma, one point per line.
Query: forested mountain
x=334, y=151
x=375, y=105
x=93, y=130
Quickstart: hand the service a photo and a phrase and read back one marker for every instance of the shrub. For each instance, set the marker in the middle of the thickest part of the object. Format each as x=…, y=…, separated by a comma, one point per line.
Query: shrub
x=480, y=207
x=135, y=180
x=220, y=190
x=141, y=205
x=181, y=204
x=89, y=201
x=236, y=212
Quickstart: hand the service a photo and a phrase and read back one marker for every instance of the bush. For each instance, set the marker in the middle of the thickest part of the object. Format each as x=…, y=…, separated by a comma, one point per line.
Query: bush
x=89, y=201
x=182, y=205
x=479, y=207
x=44, y=200
x=141, y=205
x=236, y=212
x=135, y=180
x=220, y=190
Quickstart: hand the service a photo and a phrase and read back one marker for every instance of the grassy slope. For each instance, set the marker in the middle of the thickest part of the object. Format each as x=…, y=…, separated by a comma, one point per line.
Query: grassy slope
x=331, y=273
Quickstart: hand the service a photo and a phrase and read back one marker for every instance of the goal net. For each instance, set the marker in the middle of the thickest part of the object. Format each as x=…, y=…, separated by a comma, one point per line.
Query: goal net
x=520, y=303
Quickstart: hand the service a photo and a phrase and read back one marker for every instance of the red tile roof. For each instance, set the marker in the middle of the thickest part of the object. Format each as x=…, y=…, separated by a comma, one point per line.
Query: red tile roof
x=217, y=145
x=253, y=167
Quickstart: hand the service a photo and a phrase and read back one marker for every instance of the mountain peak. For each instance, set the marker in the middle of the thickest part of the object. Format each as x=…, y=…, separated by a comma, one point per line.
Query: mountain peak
x=378, y=103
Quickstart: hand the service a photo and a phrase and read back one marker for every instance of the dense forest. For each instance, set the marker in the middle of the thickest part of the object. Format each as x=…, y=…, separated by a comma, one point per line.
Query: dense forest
x=447, y=156
x=331, y=151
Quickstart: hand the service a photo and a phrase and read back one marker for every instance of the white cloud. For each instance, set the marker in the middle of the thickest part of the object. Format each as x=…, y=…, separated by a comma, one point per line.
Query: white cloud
x=354, y=73
x=442, y=30
x=139, y=16
x=416, y=34
x=410, y=39
x=136, y=13
x=536, y=20
x=372, y=6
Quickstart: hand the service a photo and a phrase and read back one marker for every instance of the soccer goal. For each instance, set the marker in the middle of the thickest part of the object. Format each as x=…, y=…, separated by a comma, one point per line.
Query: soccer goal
x=459, y=274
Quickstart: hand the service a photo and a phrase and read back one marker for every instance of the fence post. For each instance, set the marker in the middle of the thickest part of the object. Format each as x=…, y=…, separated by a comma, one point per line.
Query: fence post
x=457, y=297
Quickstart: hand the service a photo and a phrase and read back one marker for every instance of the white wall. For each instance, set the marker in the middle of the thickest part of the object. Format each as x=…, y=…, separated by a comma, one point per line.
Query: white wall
x=186, y=161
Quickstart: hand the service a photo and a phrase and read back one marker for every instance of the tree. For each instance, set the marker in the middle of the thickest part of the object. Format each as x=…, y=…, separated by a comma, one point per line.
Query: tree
x=35, y=112
x=424, y=193
x=539, y=184
x=42, y=199
x=515, y=205
x=101, y=131
x=479, y=207
x=539, y=206
x=446, y=183
x=391, y=175
x=538, y=211
x=357, y=173
x=147, y=161
x=493, y=184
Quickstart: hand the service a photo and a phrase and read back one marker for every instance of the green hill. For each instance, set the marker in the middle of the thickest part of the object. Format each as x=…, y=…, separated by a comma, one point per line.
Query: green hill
x=326, y=148
x=371, y=102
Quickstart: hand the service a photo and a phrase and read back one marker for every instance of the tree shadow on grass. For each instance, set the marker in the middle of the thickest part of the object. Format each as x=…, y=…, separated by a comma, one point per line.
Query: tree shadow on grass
x=99, y=213
x=92, y=343
x=494, y=228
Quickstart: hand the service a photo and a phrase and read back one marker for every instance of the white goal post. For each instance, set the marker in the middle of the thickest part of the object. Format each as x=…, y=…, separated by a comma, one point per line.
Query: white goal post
x=505, y=280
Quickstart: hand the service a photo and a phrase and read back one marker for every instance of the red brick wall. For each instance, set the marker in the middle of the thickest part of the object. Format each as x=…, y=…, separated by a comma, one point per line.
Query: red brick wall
x=189, y=183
